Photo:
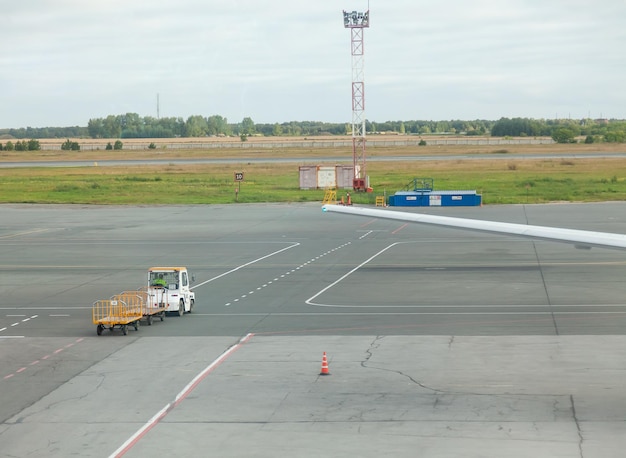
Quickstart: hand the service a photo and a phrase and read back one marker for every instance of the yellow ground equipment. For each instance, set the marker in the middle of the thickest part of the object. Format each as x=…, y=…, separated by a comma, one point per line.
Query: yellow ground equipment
x=112, y=313
x=139, y=298
x=330, y=196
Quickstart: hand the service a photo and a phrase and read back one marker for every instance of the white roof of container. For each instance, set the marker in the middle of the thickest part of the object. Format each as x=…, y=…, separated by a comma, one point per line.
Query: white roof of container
x=436, y=193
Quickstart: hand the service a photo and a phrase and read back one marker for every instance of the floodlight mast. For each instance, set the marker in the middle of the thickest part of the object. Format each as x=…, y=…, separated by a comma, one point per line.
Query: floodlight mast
x=356, y=22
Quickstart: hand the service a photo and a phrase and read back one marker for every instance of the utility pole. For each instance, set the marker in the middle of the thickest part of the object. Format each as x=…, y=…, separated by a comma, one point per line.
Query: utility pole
x=357, y=22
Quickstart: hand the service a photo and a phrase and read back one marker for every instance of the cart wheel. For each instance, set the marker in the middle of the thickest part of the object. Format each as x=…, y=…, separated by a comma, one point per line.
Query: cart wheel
x=136, y=325
x=111, y=328
x=181, y=308
x=99, y=329
x=162, y=315
x=149, y=320
x=191, y=305
x=124, y=329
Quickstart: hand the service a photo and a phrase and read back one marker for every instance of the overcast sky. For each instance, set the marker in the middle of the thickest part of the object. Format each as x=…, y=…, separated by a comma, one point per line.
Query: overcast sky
x=63, y=62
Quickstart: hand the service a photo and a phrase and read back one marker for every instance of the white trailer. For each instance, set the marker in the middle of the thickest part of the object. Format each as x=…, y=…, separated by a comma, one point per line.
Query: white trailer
x=168, y=290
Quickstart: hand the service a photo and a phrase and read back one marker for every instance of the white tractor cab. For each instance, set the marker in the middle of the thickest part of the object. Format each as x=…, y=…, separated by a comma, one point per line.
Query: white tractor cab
x=168, y=289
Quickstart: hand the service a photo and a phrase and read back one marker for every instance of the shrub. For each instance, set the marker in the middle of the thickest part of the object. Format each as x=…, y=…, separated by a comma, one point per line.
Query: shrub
x=33, y=145
x=70, y=145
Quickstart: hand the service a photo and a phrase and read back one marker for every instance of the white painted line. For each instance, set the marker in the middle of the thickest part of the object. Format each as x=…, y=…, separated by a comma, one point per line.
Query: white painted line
x=130, y=443
x=310, y=300
x=19, y=234
x=243, y=296
x=245, y=265
x=451, y=313
x=365, y=235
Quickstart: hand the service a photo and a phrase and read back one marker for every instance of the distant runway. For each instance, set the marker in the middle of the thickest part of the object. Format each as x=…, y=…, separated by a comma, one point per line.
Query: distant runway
x=301, y=160
x=435, y=336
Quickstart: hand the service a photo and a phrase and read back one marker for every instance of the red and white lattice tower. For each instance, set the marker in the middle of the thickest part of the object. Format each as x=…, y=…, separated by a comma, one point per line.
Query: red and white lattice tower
x=356, y=22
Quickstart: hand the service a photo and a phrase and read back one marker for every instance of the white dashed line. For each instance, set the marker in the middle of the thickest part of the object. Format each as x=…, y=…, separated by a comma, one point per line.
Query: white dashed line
x=294, y=270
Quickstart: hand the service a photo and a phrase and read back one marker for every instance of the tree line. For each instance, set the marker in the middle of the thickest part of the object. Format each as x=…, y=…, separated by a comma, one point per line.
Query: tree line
x=131, y=125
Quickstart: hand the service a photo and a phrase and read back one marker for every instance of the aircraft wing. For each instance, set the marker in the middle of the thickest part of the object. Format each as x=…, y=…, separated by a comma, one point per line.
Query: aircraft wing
x=581, y=239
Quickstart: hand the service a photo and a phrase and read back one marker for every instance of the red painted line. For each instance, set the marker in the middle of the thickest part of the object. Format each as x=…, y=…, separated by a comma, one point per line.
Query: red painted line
x=400, y=228
x=132, y=441
x=43, y=358
x=368, y=223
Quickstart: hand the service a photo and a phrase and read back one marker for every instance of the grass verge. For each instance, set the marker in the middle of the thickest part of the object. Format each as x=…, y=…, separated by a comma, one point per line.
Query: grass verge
x=500, y=181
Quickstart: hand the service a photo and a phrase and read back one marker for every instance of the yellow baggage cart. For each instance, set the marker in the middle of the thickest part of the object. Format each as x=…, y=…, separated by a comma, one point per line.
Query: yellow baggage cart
x=112, y=313
x=139, y=298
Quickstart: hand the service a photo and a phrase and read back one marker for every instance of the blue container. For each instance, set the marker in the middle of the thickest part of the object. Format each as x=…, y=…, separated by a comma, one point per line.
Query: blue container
x=435, y=199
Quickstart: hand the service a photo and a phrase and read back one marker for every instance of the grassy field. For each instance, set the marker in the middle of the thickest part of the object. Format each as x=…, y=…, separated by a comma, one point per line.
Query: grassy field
x=501, y=176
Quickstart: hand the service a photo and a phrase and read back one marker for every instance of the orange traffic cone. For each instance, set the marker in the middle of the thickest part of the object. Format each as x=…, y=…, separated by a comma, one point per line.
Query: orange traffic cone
x=324, y=370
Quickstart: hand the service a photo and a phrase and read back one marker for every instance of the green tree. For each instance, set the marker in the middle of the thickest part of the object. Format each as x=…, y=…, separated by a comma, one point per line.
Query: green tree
x=118, y=145
x=247, y=127
x=70, y=145
x=277, y=130
x=615, y=136
x=33, y=145
x=112, y=127
x=131, y=125
x=564, y=135
x=196, y=126
x=218, y=125
x=95, y=127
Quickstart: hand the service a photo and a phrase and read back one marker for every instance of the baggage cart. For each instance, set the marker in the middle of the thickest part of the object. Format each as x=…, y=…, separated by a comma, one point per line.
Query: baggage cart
x=139, y=298
x=110, y=314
